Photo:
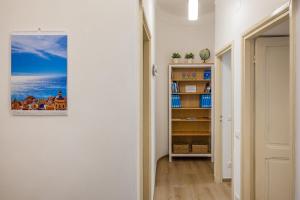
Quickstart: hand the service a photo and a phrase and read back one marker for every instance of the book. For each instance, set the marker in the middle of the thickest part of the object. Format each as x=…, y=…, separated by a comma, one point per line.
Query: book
x=176, y=102
x=175, y=87
x=205, y=101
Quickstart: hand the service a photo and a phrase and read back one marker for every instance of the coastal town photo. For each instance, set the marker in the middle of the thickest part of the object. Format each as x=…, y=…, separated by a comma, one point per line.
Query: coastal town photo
x=39, y=73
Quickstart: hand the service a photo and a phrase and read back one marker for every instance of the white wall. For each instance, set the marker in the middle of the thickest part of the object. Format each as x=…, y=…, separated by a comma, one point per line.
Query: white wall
x=233, y=18
x=175, y=34
x=92, y=153
x=227, y=115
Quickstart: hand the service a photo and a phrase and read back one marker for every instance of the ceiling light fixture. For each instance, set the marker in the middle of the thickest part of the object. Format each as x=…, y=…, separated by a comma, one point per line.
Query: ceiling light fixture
x=193, y=10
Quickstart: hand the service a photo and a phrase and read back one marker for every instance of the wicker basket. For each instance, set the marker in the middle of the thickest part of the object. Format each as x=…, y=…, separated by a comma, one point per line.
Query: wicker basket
x=181, y=148
x=198, y=148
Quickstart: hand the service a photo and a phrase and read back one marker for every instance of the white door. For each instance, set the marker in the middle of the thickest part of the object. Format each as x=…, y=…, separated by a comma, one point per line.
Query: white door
x=273, y=147
x=226, y=116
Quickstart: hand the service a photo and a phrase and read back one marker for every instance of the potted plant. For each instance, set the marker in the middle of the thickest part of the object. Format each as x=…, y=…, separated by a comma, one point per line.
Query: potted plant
x=176, y=56
x=189, y=57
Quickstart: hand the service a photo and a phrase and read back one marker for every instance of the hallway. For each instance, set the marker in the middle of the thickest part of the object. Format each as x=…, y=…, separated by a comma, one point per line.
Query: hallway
x=97, y=97
x=186, y=179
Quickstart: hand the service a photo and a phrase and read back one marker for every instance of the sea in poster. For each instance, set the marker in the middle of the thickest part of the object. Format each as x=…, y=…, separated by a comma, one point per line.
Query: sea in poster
x=40, y=87
x=39, y=74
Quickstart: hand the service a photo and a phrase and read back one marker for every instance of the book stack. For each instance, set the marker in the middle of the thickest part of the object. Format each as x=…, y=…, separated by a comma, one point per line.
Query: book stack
x=205, y=101
x=207, y=74
x=176, y=103
x=175, y=87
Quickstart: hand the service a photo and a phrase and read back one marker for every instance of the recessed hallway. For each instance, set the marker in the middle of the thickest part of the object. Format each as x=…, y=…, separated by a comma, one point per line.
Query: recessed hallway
x=188, y=179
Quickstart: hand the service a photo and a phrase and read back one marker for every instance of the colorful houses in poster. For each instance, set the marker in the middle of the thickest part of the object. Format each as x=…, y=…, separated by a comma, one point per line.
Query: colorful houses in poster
x=31, y=103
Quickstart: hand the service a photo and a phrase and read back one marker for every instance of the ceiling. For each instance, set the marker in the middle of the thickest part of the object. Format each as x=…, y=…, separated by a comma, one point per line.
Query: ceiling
x=180, y=7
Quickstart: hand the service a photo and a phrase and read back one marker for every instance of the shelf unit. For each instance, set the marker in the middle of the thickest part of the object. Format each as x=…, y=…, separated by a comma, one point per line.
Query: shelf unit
x=190, y=124
x=191, y=108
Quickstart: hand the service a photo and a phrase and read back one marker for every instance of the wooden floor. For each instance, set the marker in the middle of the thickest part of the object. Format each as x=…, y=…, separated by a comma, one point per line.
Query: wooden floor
x=188, y=179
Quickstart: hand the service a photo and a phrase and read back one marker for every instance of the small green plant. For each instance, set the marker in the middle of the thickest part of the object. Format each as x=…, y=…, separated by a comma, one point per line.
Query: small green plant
x=176, y=55
x=189, y=56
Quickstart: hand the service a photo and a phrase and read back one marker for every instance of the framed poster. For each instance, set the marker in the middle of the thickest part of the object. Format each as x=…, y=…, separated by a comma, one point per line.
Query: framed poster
x=39, y=74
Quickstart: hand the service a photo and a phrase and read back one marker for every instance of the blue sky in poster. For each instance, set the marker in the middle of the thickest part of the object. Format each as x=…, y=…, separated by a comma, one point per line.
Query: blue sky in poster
x=38, y=66
x=39, y=54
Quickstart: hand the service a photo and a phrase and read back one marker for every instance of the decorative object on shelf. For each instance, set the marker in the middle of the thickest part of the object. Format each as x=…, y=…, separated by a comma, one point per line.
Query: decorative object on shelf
x=189, y=76
x=194, y=75
x=204, y=54
x=176, y=57
x=207, y=74
x=191, y=88
x=207, y=88
x=189, y=57
x=39, y=74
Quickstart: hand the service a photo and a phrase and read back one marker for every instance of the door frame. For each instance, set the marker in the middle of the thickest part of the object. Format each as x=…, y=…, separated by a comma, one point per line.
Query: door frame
x=285, y=12
x=145, y=142
x=218, y=161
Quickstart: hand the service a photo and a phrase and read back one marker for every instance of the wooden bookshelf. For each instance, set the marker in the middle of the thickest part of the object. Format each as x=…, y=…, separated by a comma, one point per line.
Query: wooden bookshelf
x=192, y=80
x=191, y=133
x=191, y=108
x=192, y=120
x=190, y=93
x=190, y=123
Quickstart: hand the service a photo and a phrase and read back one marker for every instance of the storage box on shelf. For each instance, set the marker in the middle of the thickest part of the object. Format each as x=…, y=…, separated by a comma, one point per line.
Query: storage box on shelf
x=190, y=115
x=181, y=148
x=200, y=148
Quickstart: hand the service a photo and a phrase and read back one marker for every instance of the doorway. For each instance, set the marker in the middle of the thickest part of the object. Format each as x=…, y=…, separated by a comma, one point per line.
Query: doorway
x=145, y=170
x=267, y=108
x=224, y=120
x=271, y=143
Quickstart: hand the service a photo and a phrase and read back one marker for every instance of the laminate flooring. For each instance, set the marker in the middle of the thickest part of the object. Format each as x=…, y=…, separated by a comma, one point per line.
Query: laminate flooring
x=188, y=179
